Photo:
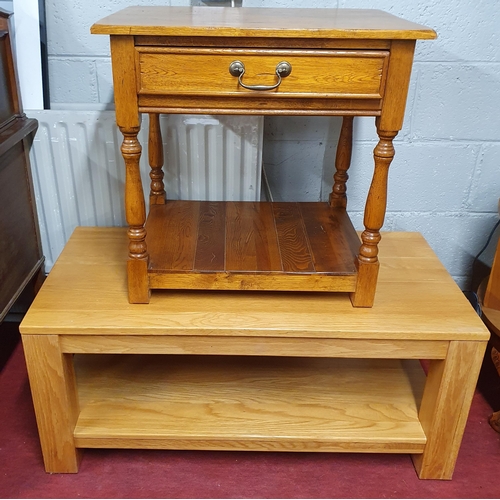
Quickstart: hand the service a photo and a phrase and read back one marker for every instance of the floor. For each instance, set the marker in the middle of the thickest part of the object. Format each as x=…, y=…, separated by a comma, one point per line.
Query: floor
x=9, y=338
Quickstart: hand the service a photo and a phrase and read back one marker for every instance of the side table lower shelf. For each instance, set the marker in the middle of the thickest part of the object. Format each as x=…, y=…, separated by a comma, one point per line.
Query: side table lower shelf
x=249, y=403
x=251, y=246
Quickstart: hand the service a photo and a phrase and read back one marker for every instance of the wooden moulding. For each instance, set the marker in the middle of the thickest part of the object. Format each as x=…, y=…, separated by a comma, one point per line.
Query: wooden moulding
x=18, y=129
x=251, y=246
x=256, y=42
x=254, y=346
x=298, y=105
x=244, y=403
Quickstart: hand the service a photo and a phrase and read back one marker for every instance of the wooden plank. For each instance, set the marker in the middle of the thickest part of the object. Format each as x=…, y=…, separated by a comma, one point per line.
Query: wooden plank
x=267, y=444
x=251, y=241
x=214, y=402
x=338, y=226
x=324, y=230
x=10, y=136
x=254, y=346
x=261, y=22
x=349, y=234
x=210, y=249
x=261, y=281
x=293, y=244
x=175, y=226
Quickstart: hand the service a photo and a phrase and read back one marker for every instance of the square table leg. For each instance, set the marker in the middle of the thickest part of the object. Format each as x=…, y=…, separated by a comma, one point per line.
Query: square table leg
x=53, y=388
x=445, y=406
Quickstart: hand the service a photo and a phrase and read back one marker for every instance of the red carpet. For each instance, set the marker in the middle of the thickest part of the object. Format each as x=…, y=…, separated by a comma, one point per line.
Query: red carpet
x=186, y=474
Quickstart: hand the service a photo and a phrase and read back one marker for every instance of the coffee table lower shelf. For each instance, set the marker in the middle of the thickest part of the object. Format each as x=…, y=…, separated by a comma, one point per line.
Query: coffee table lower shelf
x=249, y=403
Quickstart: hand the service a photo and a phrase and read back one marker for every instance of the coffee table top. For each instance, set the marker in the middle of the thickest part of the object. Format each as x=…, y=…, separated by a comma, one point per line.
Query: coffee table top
x=86, y=294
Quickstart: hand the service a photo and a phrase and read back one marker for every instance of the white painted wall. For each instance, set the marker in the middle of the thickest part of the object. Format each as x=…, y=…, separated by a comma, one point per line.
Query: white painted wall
x=445, y=179
x=26, y=36
x=6, y=5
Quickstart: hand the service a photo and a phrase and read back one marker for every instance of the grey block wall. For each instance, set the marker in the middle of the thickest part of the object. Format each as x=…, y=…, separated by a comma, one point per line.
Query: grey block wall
x=445, y=178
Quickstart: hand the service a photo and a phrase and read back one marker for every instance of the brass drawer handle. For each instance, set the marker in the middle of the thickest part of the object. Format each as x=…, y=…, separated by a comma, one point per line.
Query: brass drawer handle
x=283, y=69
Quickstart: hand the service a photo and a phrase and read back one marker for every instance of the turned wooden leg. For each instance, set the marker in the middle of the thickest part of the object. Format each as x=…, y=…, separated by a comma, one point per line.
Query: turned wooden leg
x=135, y=209
x=367, y=261
x=338, y=196
x=157, y=194
x=445, y=406
x=53, y=388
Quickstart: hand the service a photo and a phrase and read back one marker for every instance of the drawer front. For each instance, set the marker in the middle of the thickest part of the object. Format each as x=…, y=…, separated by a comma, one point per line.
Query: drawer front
x=326, y=73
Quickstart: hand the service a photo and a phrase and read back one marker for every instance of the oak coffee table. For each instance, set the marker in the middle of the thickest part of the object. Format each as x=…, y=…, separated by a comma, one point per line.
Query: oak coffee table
x=265, y=371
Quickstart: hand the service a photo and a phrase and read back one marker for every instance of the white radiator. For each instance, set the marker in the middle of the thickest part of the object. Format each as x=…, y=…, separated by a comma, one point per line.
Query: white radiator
x=79, y=174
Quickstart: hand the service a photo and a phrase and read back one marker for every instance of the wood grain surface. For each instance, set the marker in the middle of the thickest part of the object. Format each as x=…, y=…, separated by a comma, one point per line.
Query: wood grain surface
x=241, y=403
x=262, y=22
x=251, y=237
x=273, y=388
x=445, y=407
x=347, y=74
x=177, y=60
x=86, y=293
x=261, y=346
x=53, y=388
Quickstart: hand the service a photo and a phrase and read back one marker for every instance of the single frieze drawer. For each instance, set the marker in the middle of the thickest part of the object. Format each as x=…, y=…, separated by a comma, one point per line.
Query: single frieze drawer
x=327, y=73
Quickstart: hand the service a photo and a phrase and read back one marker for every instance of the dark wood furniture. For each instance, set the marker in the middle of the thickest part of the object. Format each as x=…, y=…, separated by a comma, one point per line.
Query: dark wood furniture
x=491, y=316
x=21, y=258
x=345, y=62
x=492, y=293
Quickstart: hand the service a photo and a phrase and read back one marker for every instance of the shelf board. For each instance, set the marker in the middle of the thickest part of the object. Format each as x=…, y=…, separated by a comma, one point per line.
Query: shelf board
x=249, y=403
x=14, y=131
x=251, y=245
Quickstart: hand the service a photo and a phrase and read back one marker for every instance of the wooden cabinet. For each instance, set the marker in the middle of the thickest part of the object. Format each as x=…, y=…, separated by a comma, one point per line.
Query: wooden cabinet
x=257, y=61
x=21, y=258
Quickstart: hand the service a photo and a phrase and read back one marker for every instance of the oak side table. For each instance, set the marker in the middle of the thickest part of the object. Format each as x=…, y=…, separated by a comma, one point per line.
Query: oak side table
x=211, y=60
x=281, y=371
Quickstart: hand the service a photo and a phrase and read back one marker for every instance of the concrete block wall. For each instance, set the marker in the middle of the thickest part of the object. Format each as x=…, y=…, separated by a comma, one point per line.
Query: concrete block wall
x=6, y=5
x=445, y=179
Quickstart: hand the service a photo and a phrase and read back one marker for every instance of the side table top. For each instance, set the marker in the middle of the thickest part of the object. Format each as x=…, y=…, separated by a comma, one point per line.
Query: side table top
x=86, y=293
x=260, y=22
